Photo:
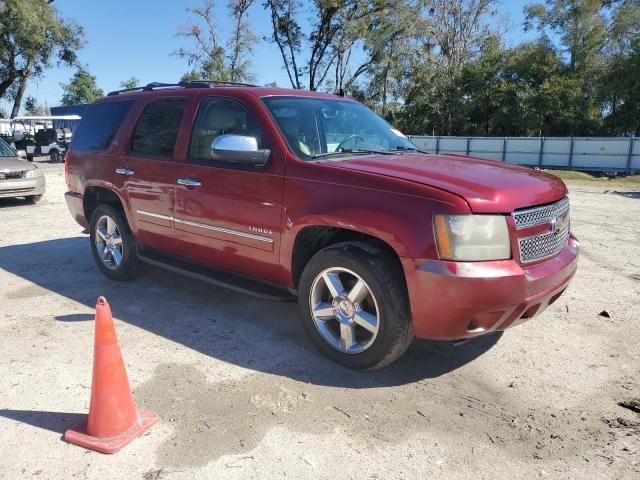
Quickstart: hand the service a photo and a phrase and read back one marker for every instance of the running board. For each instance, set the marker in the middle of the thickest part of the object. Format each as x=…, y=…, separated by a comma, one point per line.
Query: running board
x=220, y=278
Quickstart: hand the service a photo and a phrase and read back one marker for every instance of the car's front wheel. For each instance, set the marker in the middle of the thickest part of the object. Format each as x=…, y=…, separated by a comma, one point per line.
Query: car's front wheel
x=112, y=243
x=354, y=305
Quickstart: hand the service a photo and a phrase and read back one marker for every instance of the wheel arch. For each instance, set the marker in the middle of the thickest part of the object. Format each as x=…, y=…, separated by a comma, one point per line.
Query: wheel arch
x=96, y=195
x=310, y=239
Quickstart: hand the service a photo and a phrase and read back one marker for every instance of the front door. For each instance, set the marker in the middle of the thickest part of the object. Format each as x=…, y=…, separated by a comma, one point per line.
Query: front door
x=228, y=215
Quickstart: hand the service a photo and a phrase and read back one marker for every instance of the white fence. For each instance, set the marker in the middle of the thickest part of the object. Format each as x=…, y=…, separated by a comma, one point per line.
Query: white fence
x=579, y=153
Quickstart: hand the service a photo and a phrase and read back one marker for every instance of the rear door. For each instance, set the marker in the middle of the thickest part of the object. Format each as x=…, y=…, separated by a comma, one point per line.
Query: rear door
x=228, y=215
x=148, y=171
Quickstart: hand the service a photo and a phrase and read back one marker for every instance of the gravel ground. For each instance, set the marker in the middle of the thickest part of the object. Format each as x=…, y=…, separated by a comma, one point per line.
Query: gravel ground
x=241, y=392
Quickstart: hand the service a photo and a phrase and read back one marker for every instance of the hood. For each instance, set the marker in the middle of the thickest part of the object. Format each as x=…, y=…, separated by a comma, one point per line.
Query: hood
x=13, y=164
x=488, y=186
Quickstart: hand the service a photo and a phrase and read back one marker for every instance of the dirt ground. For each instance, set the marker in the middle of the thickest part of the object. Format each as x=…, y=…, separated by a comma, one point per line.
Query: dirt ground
x=241, y=392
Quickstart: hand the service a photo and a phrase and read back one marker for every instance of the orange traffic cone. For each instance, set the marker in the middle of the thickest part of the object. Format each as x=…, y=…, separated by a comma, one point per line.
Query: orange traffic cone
x=113, y=420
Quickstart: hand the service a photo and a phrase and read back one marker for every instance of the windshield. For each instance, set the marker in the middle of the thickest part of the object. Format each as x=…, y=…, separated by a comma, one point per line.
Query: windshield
x=6, y=150
x=319, y=127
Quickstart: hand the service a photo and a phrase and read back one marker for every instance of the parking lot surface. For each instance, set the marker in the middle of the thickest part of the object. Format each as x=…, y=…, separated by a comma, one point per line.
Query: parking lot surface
x=241, y=392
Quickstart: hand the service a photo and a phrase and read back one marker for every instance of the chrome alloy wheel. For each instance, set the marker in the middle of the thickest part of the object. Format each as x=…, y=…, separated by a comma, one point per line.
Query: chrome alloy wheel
x=109, y=242
x=344, y=310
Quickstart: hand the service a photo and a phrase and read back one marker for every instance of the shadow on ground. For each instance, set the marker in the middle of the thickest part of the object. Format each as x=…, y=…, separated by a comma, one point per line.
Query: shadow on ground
x=630, y=194
x=242, y=330
x=15, y=202
x=58, y=422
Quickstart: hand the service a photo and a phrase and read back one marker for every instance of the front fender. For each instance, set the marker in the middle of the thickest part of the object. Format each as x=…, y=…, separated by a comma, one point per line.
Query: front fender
x=401, y=220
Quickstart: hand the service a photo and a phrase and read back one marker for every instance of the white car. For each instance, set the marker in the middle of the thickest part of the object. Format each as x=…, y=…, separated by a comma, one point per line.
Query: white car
x=18, y=177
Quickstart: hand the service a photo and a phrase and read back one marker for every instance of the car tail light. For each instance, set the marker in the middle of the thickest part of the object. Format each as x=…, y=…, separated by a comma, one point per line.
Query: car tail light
x=66, y=168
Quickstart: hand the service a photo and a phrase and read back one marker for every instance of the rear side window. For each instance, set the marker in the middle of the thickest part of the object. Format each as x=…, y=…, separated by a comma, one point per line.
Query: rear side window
x=99, y=125
x=157, y=129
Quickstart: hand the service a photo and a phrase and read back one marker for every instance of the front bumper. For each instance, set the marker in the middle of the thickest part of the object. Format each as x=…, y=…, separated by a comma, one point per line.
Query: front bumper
x=454, y=300
x=75, y=204
x=22, y=187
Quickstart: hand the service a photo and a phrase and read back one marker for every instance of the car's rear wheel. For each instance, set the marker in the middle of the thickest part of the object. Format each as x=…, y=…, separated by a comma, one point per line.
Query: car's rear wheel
x=354, y=305
x=55, y=156
x=112, y=243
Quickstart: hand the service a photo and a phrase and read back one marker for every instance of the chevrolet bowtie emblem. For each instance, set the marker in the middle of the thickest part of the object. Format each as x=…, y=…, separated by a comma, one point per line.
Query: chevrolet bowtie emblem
x=557, y=224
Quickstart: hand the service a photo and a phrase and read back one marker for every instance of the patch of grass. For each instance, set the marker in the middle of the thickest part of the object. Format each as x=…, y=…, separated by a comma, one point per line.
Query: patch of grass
x=578, y=177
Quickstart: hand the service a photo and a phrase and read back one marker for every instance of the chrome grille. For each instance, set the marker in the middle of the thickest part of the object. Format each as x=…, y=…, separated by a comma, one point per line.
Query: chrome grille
x=530, y=217
x=543, y=246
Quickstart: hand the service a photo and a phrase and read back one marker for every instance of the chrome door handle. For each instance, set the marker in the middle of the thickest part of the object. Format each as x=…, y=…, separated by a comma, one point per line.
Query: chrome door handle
x=189, y=182
x=125, y=171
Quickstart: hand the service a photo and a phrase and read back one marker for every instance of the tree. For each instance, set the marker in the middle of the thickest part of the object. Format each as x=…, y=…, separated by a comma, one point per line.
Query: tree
x=486, y=96
x=620, y=80
x=241, y=42
x=579, y=23
x=328, y=41
x=207, y=57
x=32, y=33
x=458, y=31
x=131, y=83
x=81, y=89
x=32, y=107
x=392, y=40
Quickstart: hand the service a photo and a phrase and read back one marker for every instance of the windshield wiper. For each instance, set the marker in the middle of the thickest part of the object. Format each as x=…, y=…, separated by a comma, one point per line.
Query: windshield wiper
x=404, y=148
x=358, y=151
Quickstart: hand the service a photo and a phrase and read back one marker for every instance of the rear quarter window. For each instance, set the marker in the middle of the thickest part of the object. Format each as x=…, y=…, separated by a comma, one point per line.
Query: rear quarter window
x=99, y=125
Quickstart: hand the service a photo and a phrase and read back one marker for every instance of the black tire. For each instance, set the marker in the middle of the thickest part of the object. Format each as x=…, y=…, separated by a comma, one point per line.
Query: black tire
x=129, y=266
x=55, y=156
x=34, y=198
x=385, y=279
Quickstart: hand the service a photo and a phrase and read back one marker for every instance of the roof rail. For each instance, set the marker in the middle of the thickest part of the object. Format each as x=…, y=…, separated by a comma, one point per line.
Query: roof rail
x=183, y=84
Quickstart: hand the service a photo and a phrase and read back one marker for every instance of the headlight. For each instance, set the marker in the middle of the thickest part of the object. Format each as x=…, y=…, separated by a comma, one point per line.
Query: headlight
x=33, y=173
x=472, y=237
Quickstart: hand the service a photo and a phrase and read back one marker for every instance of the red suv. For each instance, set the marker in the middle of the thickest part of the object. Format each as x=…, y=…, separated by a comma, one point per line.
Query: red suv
x=284, y=193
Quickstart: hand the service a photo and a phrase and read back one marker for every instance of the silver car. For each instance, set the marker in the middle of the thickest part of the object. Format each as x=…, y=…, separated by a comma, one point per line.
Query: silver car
x=18, y=177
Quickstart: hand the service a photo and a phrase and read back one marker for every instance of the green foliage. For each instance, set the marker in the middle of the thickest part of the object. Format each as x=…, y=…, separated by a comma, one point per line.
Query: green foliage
x=579, y=23
x=131, y=83
x=32, y=35
x=32, y=107
x=209, y=60
x=586, y=83
x=336, y=26
x=622, y=82
x=440, y=67
x=81, y=89
x=191, y=75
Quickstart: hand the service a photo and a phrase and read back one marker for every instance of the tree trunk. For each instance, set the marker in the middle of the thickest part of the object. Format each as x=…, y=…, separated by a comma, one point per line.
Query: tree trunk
x=6, y=84
x=19, y=94
x=24, y=78
x=384, y=90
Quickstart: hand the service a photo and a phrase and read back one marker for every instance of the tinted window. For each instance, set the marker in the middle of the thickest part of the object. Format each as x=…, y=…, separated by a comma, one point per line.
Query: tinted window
x=99, y=125
x=157, y=129
x=221, y=116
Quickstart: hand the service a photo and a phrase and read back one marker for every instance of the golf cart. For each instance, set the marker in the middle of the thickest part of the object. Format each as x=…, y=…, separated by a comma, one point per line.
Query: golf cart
x=36, y=136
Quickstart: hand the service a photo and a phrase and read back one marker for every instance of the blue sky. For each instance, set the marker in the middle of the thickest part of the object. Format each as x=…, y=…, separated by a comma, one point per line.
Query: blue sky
x=137, y=37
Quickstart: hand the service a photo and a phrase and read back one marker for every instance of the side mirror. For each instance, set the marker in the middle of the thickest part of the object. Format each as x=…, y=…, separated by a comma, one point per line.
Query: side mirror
x=239, y=149
x=21, y=153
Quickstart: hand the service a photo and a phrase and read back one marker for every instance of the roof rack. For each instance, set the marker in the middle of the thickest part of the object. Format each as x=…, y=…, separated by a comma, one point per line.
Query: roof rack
x=183, y=84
